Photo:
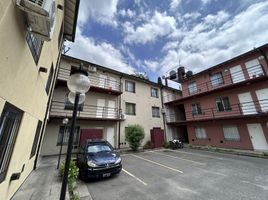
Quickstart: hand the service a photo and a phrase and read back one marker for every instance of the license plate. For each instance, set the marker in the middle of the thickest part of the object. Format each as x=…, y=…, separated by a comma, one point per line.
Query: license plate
x=106, y=175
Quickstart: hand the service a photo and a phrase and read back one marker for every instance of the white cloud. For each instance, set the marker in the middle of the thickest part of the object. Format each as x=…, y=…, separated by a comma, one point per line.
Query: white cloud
x=192, y=15
x=102, y=11
x=218, y=38
x=152, y=65
x=127, y=13
x=159, y=25
x=101, y=53
x=174, y=4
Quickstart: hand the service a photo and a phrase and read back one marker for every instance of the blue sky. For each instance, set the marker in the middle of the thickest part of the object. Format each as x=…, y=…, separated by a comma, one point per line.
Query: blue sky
x=156, y=36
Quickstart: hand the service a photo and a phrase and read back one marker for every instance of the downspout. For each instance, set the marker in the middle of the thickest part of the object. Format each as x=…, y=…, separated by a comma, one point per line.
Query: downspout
x=48, y=106
x=164, y=115
x=120, y=114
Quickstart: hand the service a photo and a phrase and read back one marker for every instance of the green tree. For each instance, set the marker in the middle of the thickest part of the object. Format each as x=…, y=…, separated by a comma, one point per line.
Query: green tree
x=134, y=136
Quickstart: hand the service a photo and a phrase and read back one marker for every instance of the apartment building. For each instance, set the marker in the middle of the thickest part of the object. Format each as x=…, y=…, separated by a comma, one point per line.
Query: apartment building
x=31, y=36
x=227, y=104
x=114, y=101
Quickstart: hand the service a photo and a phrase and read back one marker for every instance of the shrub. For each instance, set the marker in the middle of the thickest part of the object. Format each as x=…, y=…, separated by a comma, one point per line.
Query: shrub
x=72, y=177
x=134, y=135
x=147, y=145
x=166, y=144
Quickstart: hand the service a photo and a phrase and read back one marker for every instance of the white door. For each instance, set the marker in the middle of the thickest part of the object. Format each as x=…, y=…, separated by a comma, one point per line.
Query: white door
x=110, y=135
x=237, y=74
x=100, y=108
x=111, y=111
x=262, y=96
x=102, y=81
x=113, y=85
x=254, y=68
x=246, y=103
x=257, y=137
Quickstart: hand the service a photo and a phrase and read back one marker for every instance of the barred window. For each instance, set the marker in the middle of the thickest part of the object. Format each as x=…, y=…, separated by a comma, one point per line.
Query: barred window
x=200, y=133
x=35, y=44
x=216, y=79
x=192, y=87
x=64, y=132
x=231, y=133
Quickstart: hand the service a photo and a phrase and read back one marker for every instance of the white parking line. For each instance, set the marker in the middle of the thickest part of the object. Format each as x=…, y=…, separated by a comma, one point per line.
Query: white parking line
x=196, y=154
x=199, y=163
x=133, y=176
x=257, y=185
x=156, y=163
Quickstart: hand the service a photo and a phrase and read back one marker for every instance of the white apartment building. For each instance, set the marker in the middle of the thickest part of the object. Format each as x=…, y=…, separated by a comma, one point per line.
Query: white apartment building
x=114, y=101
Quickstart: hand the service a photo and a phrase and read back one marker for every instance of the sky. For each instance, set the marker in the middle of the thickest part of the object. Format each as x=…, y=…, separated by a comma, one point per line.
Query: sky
x=157, y=36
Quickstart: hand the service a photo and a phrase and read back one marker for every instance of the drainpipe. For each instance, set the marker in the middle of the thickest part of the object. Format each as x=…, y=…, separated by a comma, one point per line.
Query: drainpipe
x=164, y=115
x=120, y=112
x=48, y=106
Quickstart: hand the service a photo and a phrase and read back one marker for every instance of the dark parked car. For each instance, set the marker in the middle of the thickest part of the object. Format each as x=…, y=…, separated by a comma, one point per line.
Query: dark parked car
x=96, y=159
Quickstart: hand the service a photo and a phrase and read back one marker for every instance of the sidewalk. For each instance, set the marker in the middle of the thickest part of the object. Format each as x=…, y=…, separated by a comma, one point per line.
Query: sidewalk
x=259, y=154
x=44, y=183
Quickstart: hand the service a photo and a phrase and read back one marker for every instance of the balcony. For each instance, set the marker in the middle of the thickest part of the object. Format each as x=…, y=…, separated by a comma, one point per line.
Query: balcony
x=97, y=83
x=241, y=110
x=237, y=78
x=170, y=98
x=85, y=112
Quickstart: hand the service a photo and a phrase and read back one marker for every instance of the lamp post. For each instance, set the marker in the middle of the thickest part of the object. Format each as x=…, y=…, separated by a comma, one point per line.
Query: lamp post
x=64, y=122
x=78, y=83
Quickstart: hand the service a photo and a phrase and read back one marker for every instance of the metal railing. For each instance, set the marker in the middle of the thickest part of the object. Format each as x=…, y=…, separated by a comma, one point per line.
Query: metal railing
x=228, y=79
x=171, y=97
x=95, y=80
x=251, y=108
x=87, y=111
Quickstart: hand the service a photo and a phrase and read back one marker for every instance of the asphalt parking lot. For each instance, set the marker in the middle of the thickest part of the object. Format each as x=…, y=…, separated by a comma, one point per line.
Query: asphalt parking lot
x=185, y=174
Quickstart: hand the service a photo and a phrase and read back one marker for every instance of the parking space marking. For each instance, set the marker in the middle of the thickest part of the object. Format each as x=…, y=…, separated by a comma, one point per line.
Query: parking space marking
x=196, y=154
x=133, y=176
x=199, y=163
x=257, y=185
x=156, y=163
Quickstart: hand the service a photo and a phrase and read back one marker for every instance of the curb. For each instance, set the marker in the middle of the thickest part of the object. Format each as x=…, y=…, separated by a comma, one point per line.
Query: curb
x=229, y=151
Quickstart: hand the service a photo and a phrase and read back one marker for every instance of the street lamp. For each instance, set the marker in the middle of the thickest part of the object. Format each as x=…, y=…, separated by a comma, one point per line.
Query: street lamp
x=78, y=83
x=64, y=122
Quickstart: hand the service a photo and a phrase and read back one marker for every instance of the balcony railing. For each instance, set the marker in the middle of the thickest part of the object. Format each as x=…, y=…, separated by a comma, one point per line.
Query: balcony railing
x=85, y=111
x=225, y=80
x=95, y=81
x=171, y=97
x=246, y=109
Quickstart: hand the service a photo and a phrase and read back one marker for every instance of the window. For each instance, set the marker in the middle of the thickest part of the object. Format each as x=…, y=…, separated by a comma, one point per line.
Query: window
x=223, y=104
x=154, y=92
x=155, y=111
x=130, y=86
x=231, y=133
x=35, y=45
x=70, y=106
x=60, y=37
x=192, y=88
x=196, y=109
x=200, y=133
x=36, y=137
x=50, y=76
x=130, y=108
x=9, y=125
x=216, y=79
x=64, y=132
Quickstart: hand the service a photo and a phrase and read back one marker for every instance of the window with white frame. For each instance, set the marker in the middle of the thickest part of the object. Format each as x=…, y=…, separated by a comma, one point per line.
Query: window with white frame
x=155, y=111
x=200, y=133
x=35, y=44
x=216, y=79
x=154, y=92
x=192, y=87
x=223, y=104
x=231, y=133
x=130, y=86
x=196, y=109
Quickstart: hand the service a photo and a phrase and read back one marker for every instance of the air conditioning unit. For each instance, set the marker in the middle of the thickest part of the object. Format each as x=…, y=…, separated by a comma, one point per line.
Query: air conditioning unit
x=92, y=69
x=123, y=117
x=40, y=17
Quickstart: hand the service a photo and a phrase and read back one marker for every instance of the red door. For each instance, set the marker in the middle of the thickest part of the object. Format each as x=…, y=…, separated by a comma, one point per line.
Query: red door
x=90, y=134
x=157, y=137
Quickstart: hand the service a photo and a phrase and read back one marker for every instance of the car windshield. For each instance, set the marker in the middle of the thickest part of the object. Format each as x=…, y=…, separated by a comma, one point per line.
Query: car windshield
x=98, y=148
